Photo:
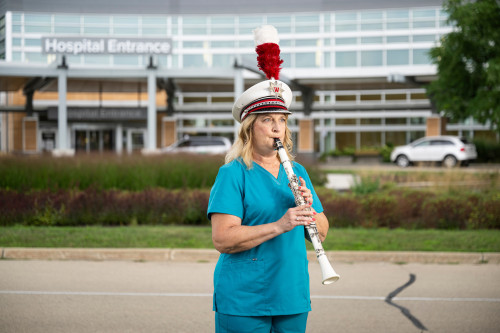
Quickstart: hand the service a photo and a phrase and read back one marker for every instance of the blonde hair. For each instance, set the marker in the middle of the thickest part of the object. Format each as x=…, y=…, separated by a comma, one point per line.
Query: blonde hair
x=243, y=145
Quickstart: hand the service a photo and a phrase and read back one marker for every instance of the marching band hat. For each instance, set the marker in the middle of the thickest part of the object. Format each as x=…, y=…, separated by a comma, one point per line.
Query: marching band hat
x=272, y=95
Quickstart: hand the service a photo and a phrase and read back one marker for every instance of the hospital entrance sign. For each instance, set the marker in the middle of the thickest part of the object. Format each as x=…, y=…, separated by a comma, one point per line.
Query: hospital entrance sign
x=85, y=45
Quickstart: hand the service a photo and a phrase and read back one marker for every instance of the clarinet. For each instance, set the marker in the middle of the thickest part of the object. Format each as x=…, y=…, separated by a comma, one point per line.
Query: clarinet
x=328, y=273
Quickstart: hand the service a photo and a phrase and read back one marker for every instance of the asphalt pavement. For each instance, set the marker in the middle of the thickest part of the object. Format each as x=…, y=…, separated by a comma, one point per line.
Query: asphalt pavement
x=123, y=292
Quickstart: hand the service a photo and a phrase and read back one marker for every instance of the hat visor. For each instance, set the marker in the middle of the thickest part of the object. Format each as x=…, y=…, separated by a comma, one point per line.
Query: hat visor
x=268, y=111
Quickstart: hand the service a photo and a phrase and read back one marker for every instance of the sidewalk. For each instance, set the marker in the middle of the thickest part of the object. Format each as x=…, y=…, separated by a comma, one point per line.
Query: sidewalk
x=210, y=255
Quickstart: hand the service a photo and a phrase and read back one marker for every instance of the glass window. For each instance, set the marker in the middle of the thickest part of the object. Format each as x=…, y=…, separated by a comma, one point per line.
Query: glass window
x=35, y=57
x=278, y=20
x=193, y=60
x=225, y=20
x=196, y=20
x=397, y=25
x=346, y=27
x=370, y=139
x=444, y=23
x=223, y=31
x=371, y=58
x=194, y=31
x=126, y=30
x=72, y=59
x=97, y=59
x=395, y=121
x=146, y=31
x=16, y=28
x=16, y=17
x=346, y=41
x=370, y=121
x=306, y=28
x=32, y=42
x=350, y=16
x=37, y=29
x=37, y=18
x=306, y=42
x=421, y=57
x=287, y=59
x=305, y=60
x=306, y=19
x=16, y=56
x=131, y=60
x=345, y=59
x=424, y=38
x=371, y=26
x=16, y=41
x=248, y=44
x=398, y=39
x=284, y=29
x=223, y=43
x=398, y=57
x=96, y=19
x=251, y=20
x=395, y=138
x=424, y=24
x=222, y=60
x=126, y=20
x=372, y=40
x=192, y=44
x=328, y=61
x=61, y=29
x=154, y=20
x=66, y=19
x=371, y=15
x=96, y=30
x=419, y=13
x=398, y=14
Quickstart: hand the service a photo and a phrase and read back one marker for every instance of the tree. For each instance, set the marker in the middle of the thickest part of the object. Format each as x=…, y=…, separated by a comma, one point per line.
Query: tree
x=468, y=63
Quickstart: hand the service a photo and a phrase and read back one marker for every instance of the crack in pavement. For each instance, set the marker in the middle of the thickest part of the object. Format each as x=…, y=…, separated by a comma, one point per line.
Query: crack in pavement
x=404, y=310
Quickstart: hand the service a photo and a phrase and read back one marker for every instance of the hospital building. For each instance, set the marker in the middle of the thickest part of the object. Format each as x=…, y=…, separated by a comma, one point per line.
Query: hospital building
x=125, y=76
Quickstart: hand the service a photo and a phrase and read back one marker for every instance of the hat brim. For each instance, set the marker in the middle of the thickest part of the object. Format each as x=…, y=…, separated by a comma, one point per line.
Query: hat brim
x=261, y=91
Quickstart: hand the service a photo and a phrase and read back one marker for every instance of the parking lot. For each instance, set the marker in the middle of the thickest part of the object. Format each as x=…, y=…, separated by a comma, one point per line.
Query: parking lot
x=166, y=296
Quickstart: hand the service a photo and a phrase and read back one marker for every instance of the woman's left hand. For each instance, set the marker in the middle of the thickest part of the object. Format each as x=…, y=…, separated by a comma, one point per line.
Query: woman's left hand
x=306, y=193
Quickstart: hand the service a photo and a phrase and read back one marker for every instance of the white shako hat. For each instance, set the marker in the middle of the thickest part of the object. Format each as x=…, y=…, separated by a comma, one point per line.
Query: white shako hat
x=271, y=95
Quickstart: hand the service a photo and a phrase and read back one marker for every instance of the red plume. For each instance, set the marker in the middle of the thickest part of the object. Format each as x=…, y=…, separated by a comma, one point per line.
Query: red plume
x=268, y=59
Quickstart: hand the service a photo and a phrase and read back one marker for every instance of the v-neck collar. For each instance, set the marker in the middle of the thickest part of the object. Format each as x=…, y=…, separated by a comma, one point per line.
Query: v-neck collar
x=269, y=173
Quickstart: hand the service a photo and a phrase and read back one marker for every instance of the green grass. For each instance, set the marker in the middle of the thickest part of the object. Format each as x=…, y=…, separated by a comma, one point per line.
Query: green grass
x=200, y=237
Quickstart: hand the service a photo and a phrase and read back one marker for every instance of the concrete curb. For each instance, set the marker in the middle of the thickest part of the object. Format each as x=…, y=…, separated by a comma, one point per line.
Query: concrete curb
x=208, y=255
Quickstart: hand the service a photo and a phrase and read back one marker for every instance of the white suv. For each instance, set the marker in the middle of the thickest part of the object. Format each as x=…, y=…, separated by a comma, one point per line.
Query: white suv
x=200, y=145
x=449, y=150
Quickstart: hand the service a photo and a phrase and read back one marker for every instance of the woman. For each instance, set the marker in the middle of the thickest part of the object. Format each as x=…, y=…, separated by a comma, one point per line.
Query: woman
x=261, y=281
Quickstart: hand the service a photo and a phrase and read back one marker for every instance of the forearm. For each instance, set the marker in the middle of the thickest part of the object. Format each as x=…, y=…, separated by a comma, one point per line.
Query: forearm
x=322, y=225
x=238, y=238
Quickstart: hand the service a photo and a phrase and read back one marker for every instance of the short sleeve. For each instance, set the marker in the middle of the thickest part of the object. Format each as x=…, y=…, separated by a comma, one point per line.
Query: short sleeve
x=227, y=194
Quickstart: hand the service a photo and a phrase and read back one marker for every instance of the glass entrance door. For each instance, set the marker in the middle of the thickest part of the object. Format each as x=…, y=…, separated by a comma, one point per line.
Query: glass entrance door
x=94, y=140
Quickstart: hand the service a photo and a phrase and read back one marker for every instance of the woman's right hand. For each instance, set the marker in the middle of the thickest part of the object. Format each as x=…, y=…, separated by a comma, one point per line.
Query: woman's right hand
x=296, y=216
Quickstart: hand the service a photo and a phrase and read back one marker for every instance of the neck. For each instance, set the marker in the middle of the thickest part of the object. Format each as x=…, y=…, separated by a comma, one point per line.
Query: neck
x=268, y=160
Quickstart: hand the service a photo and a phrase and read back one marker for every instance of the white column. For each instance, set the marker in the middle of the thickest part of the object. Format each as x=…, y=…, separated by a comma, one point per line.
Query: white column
x=239, y=88
x=119, y=138
x=151, y=133
x=63, y=147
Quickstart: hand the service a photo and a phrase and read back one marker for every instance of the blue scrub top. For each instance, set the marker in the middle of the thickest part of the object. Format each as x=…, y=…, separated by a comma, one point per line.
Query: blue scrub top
x=272, y=278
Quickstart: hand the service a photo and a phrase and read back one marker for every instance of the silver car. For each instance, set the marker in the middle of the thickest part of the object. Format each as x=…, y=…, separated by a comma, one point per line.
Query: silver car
x=200, y=145
x=448, y=150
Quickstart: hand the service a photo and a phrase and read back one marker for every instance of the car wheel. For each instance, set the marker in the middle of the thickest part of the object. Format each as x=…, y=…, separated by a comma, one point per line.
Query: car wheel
x=450, y=161
x=402, y=161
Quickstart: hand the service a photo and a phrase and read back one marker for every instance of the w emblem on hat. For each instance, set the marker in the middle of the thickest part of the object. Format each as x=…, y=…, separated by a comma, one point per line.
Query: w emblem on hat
x=276, y=88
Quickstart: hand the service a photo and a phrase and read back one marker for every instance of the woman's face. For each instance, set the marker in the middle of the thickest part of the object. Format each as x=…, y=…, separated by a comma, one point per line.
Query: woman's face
x=266, y=127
